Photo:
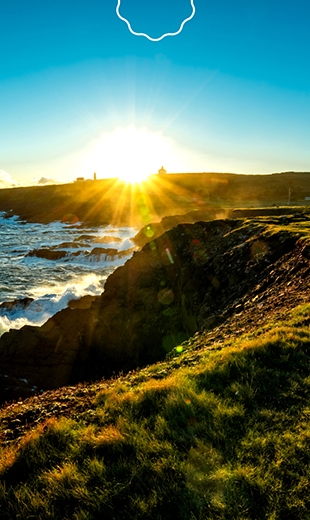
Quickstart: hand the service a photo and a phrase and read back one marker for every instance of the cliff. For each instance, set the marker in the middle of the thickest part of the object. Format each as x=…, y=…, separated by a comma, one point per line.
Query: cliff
x=192, y=278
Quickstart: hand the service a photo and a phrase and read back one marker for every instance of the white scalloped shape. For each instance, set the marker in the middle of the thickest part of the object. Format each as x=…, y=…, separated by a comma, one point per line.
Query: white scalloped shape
x=164, y=35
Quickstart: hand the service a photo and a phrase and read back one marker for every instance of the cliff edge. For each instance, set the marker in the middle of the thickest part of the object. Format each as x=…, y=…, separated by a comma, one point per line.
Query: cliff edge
x=192, y=278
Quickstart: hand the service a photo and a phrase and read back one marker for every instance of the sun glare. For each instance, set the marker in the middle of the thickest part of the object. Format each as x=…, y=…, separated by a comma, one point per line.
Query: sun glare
x=132, y=154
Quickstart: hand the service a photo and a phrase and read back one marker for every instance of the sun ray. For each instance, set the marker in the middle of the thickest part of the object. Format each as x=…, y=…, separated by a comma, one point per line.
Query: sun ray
x=130, y=153
x=127, y=159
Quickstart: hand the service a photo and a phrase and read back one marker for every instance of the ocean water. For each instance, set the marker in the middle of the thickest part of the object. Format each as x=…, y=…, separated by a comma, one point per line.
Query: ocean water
x=88, y=260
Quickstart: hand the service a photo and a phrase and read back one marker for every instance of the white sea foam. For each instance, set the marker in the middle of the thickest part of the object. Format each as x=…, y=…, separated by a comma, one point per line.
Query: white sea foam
x=53, y=283
x=48, y=301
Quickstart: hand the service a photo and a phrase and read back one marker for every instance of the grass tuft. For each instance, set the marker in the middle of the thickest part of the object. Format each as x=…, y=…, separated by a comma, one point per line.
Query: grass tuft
x=225, y=438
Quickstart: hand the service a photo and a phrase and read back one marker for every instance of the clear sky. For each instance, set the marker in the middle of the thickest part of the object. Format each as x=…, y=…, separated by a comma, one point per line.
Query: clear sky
x=79, y=93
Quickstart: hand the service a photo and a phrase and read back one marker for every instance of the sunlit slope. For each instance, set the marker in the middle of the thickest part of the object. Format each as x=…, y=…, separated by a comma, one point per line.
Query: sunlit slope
x=114, y=201
x=221, y=430
x=194, y=277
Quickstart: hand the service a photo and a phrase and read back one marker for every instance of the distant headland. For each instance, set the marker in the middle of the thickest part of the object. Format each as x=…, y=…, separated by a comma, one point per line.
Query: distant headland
x=111, y=201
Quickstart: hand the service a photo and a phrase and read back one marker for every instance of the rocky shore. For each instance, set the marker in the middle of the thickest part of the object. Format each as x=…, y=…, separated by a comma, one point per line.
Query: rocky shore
x=195, y=278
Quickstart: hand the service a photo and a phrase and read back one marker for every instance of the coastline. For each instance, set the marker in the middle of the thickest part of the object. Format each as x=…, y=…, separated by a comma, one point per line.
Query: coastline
x=111, y=201
x=187, y=280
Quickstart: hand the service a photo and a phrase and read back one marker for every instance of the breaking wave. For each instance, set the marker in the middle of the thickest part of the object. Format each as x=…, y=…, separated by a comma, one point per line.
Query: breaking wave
x=44, y=267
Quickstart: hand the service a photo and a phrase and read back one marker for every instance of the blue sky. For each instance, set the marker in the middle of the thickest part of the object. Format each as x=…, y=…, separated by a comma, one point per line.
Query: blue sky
x=230, y=93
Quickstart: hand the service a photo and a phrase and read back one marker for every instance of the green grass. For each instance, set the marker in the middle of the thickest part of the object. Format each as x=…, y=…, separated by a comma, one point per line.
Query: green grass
x=226, y=438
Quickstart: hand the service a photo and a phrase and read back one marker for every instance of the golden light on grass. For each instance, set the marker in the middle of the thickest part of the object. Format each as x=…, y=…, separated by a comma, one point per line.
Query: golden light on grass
x=136, y=203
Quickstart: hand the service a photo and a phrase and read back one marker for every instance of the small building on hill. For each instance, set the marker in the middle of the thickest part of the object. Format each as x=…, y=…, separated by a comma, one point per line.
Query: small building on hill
x=162, y=171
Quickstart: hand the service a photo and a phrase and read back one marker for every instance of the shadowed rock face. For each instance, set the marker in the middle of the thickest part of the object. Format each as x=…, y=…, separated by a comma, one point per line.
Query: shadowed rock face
x=49, y=254
x=181, y=282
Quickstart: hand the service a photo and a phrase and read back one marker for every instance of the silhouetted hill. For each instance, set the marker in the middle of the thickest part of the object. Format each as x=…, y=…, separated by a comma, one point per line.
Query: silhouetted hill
x=111, y=201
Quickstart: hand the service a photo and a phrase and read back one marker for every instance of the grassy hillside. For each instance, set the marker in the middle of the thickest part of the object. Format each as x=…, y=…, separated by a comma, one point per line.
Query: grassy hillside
x=112, y=201
x=220, y=430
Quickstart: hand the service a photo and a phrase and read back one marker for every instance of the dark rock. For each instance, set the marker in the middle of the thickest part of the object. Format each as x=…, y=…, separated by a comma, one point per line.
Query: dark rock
x=102, y=251
x=48, y=254
x=84, y=302
x=187, y=280
x=109, y=253
x=14, y=388
x=44, y=356
x=14, y=304
x=151, y=231
x=306, y=250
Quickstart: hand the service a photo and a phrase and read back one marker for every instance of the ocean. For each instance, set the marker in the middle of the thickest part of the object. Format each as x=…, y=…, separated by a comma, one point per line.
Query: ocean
x=53, y=264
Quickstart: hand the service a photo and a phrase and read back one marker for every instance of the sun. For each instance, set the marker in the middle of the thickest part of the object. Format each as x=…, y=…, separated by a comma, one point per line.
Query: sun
x=132, y=154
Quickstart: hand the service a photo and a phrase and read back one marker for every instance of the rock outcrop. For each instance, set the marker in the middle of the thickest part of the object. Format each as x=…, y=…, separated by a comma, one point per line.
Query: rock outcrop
x=20, y=303
x=48, y=254
x=149, y=232
x=186, y=280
